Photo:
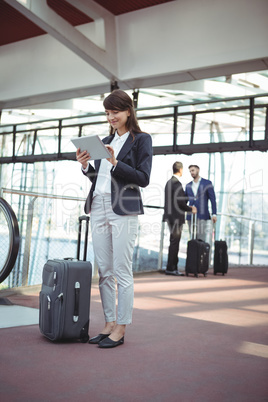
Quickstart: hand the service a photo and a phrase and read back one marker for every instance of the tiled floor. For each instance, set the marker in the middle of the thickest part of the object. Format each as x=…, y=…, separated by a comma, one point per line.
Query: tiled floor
x=192, y=340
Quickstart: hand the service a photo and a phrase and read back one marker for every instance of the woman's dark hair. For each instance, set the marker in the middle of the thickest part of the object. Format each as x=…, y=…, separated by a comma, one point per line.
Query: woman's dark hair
x=119, y=100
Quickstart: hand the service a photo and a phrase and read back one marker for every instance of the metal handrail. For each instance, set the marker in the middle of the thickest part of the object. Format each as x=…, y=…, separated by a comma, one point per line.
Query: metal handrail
x=64, y=197
x=40, y=195
x=247, y=218
x=218, y=213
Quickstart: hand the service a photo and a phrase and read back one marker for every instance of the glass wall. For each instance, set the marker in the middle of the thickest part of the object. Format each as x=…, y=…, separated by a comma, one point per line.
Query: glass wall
x=48, y=197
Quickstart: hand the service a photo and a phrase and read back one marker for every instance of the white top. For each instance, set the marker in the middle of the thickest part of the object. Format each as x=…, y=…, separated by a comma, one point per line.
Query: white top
x=103, y=184
x=195, y=186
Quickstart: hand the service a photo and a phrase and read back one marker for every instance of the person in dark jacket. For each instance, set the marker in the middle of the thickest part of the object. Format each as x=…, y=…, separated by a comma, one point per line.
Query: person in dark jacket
x=115, y=202
x=174, y=214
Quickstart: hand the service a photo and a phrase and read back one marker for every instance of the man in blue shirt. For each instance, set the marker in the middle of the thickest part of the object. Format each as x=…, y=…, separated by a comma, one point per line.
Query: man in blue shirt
x=199, y=192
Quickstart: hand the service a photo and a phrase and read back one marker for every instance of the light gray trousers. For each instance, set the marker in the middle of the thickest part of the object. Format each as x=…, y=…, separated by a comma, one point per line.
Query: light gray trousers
x=113, y=238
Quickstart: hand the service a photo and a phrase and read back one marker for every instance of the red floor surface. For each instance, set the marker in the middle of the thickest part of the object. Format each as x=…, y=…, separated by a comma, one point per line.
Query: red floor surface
x=192, y=339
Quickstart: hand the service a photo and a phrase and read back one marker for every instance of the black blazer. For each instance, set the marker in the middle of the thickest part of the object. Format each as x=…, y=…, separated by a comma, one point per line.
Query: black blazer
x=175, y=202
x=131, y=172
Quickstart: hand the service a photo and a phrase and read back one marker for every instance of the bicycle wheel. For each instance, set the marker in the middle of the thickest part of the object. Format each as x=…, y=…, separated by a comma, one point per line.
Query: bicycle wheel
x=9, y=239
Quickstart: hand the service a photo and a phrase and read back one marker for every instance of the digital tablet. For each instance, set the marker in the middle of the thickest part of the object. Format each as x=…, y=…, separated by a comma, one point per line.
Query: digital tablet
x=93, y=145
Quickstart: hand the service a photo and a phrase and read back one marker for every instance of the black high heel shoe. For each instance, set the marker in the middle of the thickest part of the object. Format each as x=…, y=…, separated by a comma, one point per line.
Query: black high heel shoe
x=98, y=338
x=109, y=343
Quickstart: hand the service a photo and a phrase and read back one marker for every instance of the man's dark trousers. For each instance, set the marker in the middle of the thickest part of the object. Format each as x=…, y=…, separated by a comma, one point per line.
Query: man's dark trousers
x=174, y=244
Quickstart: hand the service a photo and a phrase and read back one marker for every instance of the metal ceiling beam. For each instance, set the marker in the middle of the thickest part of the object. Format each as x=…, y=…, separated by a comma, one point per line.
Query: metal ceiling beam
x=160, y=81
x=103, y=57
x=31, y=101
x=164, y=80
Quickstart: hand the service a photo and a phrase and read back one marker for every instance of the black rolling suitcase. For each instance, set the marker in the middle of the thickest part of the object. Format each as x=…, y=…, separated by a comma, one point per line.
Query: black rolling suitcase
x=197, y=258
x=220, y=257
x=64, y=300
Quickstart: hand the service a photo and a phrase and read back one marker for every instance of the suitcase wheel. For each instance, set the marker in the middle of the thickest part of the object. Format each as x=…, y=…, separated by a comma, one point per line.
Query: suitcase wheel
x=85, y=339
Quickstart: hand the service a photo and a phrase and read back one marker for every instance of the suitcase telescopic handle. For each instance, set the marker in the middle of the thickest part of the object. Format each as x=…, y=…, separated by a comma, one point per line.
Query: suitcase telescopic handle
x=81, y=219
x=193, y=226
x=214, y=230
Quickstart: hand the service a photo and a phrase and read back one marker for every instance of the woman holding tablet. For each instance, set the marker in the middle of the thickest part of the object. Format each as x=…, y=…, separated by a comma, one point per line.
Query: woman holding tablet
x=115, y=202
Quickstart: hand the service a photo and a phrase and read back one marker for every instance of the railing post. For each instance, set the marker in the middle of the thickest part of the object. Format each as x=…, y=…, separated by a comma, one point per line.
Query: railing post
x=251, y=241
x=27, y=245
x=136, y=253
x=160, y=254
x=95, y=269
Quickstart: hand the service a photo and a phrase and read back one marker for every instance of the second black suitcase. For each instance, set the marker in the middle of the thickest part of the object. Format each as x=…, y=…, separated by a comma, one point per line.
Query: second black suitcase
x=65, y=297
x=220, y=257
